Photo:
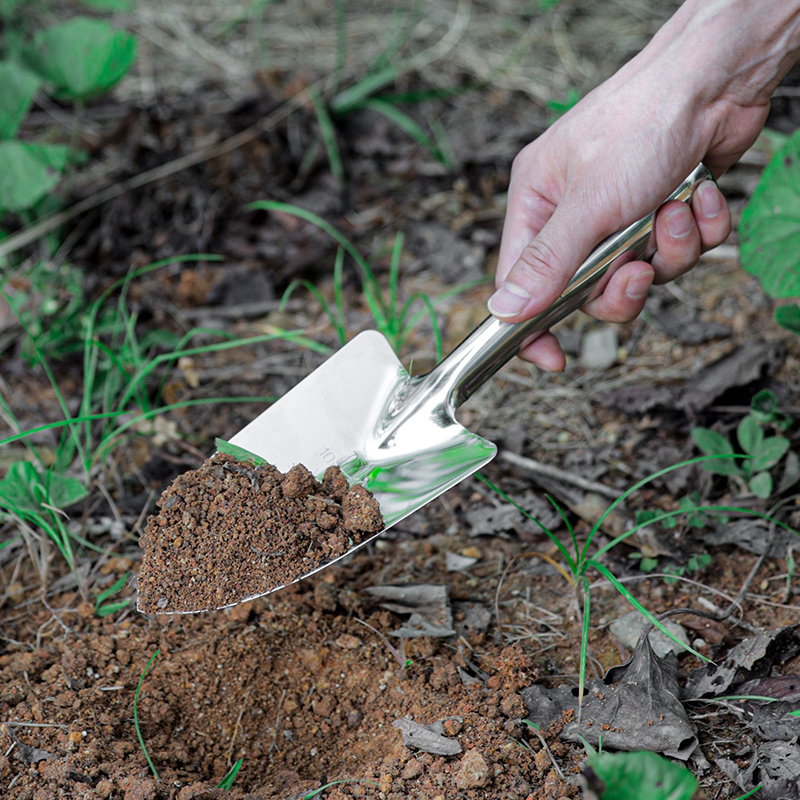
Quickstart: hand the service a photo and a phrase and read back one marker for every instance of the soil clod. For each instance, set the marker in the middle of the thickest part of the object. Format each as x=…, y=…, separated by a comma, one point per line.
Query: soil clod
x=232, y=530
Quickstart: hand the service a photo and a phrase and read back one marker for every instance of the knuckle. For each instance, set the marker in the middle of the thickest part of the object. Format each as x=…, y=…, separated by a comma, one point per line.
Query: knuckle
x=538, y=264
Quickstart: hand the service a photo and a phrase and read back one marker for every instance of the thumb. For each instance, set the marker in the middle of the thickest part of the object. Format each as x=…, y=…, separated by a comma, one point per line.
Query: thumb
x=547, y=263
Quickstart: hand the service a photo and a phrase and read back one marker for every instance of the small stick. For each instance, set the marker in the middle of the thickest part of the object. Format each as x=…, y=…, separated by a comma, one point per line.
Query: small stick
x=556, y=474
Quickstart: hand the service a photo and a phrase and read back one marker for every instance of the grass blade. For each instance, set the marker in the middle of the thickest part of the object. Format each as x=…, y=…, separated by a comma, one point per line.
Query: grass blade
x=136, y=716
x=328, y=133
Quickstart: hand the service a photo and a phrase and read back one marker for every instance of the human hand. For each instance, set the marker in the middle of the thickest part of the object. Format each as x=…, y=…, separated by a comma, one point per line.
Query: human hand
x=612, y=159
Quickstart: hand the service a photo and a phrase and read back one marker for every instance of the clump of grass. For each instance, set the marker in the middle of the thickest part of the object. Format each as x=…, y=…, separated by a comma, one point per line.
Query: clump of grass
x=580, y=561
x=123, y=375
x=394, y=317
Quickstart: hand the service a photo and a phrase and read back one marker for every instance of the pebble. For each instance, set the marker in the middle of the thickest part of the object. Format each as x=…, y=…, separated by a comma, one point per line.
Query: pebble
x=474, y=771
x=599, y=348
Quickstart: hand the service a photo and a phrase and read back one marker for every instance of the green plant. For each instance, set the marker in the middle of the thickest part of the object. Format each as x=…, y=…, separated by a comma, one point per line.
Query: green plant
x=641, y=773
x=136, y=716
x=75, y=60
x=393, y=318
x=122, y=380
x=769, y=232
x=580, y=562
x=367, y=92
x=104, y=609
x=230, y=777
x=758, y=451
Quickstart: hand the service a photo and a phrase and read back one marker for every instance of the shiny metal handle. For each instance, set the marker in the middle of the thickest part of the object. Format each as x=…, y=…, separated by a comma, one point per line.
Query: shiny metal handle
x=493, y=342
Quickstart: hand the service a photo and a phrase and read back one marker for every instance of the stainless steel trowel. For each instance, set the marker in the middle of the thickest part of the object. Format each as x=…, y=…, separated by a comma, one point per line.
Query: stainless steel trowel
x=397, y=435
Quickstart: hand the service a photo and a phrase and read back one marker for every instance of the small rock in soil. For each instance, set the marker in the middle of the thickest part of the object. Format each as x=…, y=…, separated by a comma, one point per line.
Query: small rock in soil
x=231, y=530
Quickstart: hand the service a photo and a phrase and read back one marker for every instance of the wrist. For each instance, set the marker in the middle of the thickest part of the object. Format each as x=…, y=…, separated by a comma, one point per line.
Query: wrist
x=733, y=50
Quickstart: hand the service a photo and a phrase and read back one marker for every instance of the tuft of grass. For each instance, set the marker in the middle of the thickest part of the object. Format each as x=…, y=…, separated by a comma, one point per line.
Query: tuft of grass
x=136, y=716
x=580, y=561
x=123, y=377
x=394, y=318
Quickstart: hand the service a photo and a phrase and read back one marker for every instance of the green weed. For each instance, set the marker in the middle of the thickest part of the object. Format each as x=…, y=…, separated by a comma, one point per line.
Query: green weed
x=758, y=452
x=105, y=609
x=641, y=773
x=394, y=318
x=122, y=379
x=228, y=780
x=769, y=234
x=136, y=716
x=74, y=61
x=368, y=92
x=580, y=562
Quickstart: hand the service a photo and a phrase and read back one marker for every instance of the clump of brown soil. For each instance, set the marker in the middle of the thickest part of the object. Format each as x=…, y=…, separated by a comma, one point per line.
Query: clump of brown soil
x=233, y=529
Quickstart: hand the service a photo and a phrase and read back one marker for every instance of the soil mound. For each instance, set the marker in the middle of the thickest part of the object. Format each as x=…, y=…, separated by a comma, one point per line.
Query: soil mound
x=233, y=529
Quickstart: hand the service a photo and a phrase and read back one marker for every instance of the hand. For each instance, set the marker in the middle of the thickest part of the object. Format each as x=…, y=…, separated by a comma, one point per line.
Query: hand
x=612, y=159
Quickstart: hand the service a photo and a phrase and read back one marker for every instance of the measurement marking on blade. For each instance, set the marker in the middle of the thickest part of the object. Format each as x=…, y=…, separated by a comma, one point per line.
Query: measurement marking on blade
x=328, y=456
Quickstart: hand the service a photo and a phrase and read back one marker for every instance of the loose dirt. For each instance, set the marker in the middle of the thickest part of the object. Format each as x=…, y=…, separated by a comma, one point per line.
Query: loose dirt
x=233, y=530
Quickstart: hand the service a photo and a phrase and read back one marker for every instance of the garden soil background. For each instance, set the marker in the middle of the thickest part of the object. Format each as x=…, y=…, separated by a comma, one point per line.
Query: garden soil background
x=304, y=686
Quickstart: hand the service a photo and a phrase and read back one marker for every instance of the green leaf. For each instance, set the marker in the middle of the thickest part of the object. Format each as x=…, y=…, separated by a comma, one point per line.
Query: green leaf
x=238, y=452
x=23, y=490
x=630, y=776
x=715, y=444
x=103, y=609
x=18, y=490
x=769, y=230
x=788, y=317
x=28, y=172
x=228, y=780
x=64, y=491
x=19, y=87
x=750, y=434
x=82, y=57
x=761, y=485
x=771, y=451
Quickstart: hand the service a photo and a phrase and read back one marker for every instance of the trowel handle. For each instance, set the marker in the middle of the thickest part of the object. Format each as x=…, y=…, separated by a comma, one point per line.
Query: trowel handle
x=493, y=342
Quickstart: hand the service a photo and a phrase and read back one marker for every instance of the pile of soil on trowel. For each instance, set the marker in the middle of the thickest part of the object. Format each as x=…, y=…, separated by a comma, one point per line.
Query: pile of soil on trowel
x=233, y=529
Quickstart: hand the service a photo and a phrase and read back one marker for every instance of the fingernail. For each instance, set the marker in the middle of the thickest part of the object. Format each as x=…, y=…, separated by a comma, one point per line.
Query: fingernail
x=710, y=200
x=508, y=300
x=679, y=222
x=639, y=285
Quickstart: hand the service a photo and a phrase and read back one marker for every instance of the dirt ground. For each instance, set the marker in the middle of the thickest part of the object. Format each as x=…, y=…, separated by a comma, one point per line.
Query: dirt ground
x=315, y=687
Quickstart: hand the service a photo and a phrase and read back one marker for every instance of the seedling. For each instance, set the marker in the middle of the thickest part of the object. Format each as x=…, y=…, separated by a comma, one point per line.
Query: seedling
x=395, y=320
x=104, y=609
x=136, y=716
x=228, y=780
x=760, y=452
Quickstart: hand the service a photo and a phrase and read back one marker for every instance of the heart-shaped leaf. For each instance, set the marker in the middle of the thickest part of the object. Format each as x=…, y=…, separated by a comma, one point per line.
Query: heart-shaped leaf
x=28, y=172
x=19, y=87
x=769, y=230
x=82, y=57
x=715, y=444
x=761, y=485
x=750, y=434
x=630, y=776
x=770, y=452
